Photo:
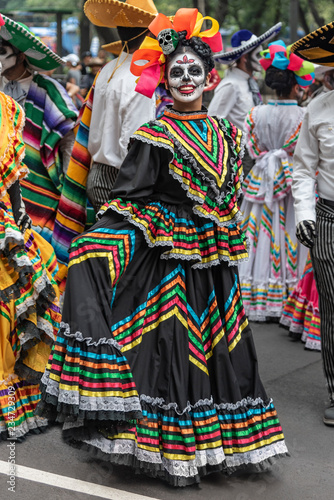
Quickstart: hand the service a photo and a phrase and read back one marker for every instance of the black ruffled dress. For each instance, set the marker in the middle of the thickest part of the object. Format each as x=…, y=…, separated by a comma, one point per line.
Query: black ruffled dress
x=154, y=365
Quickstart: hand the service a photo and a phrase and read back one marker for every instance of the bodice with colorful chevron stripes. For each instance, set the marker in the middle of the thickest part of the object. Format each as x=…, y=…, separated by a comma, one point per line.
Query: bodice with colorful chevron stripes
x=206, y=162
x=207, y=159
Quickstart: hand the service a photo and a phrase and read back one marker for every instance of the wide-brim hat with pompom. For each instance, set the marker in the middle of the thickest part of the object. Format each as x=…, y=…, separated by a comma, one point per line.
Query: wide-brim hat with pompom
x=318, y=46
x=37, y=53
x=243, y=42
x=113, y=13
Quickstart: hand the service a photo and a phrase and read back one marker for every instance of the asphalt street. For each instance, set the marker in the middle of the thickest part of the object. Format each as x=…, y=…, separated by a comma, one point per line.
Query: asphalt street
x=291, y=375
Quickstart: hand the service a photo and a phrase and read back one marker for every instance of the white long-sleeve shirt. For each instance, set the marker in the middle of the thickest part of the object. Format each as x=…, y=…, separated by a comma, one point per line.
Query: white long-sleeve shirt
x=232, y=98
x=314, y=152
x=118, y=111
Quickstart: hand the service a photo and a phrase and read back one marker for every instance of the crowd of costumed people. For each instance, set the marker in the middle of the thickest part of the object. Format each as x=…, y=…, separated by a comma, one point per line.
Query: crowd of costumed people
x=155, y=229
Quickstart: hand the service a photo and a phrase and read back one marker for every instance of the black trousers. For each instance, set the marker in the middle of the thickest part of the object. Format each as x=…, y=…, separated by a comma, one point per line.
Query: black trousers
x=100, y=181
x=322, y=255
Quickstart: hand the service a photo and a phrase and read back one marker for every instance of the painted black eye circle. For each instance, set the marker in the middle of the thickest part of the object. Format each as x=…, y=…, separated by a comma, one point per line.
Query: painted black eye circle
x=176, y=72
x=195, y=70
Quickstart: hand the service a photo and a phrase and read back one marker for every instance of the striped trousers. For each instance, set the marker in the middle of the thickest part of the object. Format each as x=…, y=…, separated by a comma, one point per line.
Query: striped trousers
x=100, y=181
x=322, y=255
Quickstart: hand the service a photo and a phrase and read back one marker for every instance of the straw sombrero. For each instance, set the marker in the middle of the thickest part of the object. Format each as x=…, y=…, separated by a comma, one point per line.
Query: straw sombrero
x=243, y=42
x=37, y=53
x=113, y=13
x=318, y=46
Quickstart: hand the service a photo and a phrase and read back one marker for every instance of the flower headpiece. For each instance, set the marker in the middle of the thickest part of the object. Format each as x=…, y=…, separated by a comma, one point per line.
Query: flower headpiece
x=281, y=57
x=166, y=32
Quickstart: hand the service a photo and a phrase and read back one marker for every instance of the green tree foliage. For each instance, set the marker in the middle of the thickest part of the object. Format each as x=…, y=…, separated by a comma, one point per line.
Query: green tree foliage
x=21, y=5
x=255, y=15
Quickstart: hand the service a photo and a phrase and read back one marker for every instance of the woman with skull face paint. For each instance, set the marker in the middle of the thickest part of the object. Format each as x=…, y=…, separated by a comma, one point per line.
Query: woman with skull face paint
x=154, y=365
x=276, y=258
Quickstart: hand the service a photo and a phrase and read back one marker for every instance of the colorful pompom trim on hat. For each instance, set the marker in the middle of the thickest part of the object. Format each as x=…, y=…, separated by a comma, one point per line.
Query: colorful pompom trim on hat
x=280, y=56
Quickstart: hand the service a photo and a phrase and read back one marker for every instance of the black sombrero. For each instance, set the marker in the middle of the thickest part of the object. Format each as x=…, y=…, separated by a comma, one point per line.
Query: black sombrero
x=318, y=46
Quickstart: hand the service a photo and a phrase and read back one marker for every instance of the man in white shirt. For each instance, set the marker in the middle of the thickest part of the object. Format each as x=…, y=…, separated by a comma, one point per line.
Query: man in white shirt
x=313, y=170
x=238, y=92
x=116, y=109
x=117, y=112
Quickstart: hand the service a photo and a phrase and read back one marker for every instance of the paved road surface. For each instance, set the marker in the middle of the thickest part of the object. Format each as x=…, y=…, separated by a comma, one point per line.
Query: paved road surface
x=291, y=375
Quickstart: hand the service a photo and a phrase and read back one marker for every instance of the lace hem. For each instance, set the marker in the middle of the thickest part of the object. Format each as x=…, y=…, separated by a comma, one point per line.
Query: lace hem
x=262, y=317
x=168, y=254
x=65, y=330
x=161, y=403
x=11, y=237
x=152, y=143
x=313, y=345
x=243, y=403
x=205, y=265
x=182, y=473
x=130, y=404
x=32, y=425
x=58, y=404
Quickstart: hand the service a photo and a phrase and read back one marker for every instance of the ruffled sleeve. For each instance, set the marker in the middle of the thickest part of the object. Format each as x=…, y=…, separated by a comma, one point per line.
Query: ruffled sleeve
x=137, y=178
x=139, y=173
x=12, y=146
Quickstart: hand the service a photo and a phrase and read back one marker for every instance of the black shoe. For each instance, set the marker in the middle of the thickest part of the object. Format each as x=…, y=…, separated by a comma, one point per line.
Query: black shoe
x=329, y=415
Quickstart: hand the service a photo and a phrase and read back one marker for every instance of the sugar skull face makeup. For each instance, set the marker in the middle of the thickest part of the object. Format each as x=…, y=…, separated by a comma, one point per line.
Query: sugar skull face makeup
x=186, y=76
x=7, y=57
x=255, y=58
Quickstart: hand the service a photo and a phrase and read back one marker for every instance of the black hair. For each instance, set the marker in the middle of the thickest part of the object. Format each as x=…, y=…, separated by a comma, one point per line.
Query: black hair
x=199, y=47
x=280, y=80
x=134, y=36
x=16, y=51
x=87, y=53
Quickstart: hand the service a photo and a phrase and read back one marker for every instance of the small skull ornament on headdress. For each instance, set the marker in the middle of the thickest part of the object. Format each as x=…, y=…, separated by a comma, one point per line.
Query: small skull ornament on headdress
x=168, y=40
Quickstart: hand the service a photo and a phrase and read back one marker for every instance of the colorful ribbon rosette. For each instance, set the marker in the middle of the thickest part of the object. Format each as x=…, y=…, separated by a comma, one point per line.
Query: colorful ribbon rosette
x=154, y=51
x=280, y=56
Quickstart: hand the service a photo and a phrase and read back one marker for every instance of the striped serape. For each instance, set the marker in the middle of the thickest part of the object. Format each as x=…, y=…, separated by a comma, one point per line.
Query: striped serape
x=50, y=115
x=74, y=210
